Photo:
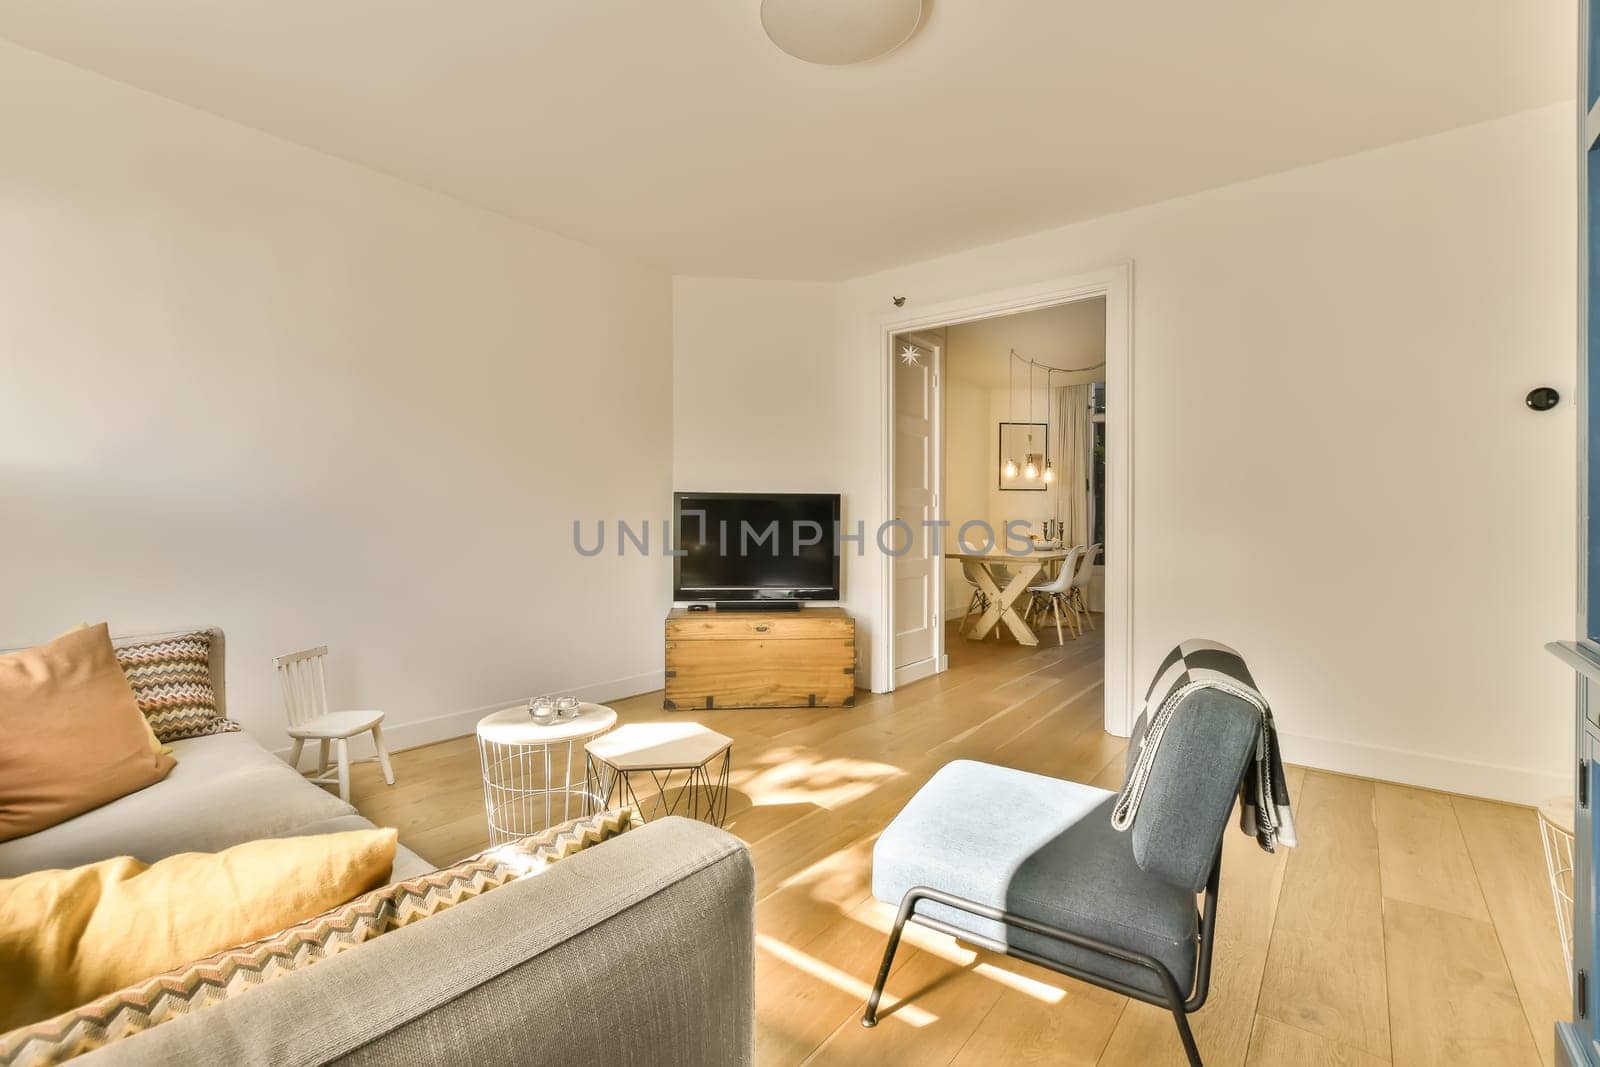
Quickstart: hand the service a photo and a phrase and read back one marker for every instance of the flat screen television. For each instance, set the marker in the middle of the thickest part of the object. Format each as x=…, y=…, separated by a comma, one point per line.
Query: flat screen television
x=755, y=549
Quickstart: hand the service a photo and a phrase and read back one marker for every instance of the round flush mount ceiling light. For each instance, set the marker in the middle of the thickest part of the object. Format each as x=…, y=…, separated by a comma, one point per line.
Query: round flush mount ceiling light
x=840, y=32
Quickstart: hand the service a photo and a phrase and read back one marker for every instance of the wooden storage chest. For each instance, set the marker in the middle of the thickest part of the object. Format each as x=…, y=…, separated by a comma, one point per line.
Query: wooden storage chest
x=760, y=659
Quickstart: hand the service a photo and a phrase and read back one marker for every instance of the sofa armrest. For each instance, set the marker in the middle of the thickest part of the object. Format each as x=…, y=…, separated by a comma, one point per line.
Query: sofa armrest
x=639, y=950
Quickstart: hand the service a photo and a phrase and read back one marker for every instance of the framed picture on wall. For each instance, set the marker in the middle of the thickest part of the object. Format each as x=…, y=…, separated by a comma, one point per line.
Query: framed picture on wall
x=1024, y=446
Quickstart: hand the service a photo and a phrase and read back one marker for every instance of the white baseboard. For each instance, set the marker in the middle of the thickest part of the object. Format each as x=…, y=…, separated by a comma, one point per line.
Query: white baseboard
x=1518, y=785
x=404, y=735
x=923, y=669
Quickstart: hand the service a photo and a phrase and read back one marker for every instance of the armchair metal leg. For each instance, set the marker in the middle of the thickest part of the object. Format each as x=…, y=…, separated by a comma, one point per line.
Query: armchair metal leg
x=1171, y=997
x=1190, y=1049
x=870, y=1019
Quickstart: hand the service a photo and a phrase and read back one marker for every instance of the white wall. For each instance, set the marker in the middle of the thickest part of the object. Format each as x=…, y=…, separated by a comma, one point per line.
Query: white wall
x=1071, y=335
x=755, y=398
x=252, y=386
x=760, y=405
x=1333, y=467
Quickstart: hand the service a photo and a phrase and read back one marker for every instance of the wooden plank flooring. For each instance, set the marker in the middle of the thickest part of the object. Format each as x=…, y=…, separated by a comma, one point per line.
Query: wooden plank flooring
x=1325, y=967
x=1411, y=927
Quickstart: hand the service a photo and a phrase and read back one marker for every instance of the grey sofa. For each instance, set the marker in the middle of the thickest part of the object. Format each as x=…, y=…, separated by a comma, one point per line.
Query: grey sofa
x=639, y=950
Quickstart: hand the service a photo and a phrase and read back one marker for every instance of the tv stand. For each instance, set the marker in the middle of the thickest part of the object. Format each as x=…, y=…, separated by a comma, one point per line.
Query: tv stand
x=767, y=657
x=759, y=605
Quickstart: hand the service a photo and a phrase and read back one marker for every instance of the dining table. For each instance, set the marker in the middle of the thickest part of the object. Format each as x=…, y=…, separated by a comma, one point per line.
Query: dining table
x=1025, y=566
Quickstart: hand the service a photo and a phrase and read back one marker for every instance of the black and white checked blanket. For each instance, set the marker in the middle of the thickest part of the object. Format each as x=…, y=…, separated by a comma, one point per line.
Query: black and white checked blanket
x=1264, y=795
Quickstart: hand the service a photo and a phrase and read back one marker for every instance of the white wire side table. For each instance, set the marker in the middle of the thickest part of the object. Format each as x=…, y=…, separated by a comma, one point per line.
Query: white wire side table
x=1556, y=831
x=699, y=758
x=528, y=782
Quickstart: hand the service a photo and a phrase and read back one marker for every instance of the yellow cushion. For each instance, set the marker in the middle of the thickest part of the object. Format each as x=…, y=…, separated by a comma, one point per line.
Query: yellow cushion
x=67, y=937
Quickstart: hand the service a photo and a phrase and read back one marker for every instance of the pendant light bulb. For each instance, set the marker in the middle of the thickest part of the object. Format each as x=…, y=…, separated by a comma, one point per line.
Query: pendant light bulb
x=1031, y=471
x=1049, y=473
x=1011, y=467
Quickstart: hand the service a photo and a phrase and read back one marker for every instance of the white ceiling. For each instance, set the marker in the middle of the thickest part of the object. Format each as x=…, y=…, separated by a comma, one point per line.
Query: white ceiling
x=673, y=130
x=1065, y=336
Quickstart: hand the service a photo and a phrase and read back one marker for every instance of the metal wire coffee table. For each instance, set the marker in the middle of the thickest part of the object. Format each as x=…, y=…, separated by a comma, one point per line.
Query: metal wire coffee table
x=701, y=759
x=528, y=781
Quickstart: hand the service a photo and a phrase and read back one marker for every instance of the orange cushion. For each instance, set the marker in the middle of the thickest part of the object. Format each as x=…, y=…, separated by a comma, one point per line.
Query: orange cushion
x=155, y=742
x=74, y=736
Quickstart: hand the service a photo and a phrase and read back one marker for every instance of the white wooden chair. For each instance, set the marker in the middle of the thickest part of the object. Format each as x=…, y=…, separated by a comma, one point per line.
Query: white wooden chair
x=305, y=698
x=1078, y=595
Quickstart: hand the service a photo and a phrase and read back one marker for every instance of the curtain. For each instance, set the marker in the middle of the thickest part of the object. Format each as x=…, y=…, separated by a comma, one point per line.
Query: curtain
x=1072, y=463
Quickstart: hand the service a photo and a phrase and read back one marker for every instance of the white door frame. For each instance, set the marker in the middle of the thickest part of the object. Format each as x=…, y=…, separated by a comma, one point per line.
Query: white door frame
x=1115, y=284
x=938, y=661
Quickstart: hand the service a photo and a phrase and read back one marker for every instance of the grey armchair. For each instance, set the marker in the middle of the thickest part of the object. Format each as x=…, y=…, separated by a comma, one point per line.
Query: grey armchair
x=1031, y=867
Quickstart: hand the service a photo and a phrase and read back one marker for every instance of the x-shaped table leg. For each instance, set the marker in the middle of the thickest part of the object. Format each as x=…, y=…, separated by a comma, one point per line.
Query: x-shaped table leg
x=1002, y=602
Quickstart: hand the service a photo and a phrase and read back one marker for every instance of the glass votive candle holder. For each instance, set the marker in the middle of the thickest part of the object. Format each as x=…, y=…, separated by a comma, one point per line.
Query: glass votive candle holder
x=567, y=707
x=543, y=709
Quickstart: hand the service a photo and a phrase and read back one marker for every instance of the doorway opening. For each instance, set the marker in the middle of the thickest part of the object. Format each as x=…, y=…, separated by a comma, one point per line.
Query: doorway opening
x=1006, y=461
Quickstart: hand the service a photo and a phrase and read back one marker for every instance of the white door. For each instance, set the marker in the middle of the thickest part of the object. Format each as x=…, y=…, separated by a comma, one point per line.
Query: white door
x=917, y=566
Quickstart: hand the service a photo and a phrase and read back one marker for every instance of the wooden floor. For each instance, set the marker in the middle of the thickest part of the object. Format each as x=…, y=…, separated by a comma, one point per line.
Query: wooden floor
x=1410, y=927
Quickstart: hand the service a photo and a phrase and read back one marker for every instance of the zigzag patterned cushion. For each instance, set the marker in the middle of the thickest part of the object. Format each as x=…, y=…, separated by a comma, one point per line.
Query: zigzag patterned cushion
x=232, y=971
x=171, y=680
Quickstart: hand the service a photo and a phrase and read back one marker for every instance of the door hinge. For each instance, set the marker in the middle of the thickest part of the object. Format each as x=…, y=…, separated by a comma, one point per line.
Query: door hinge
x=1583, y=994
x=1583, y=783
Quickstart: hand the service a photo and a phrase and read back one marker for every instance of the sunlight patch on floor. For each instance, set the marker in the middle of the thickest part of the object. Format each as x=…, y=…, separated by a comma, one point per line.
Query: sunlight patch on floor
x=801, y=779
x=845, y=983
x=1043, y=992
x=842, y=875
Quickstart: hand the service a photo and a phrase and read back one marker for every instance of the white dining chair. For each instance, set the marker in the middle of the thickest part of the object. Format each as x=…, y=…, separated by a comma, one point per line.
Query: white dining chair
x=980, y=600
x=305, y=699
x=1078, y=595
x=1055, y=594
